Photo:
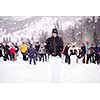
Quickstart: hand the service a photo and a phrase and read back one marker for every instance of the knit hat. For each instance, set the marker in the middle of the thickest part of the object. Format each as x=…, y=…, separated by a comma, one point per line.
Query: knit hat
x=55, y=31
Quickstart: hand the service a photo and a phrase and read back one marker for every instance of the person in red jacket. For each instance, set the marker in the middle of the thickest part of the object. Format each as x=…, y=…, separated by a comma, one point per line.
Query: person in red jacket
x=12, y=52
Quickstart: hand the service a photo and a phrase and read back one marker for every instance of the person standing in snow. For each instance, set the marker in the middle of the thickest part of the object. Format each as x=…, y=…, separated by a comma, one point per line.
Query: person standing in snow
x=6, y=52
x=37, y=46
x=66, y=53
x=42, y=53
x=97, y=54
x=32, y=54
x=90, y=54
x=12, y=52
x=16, y=47
x=24, y=50
x=87, y=52
x=54, y=48
x=83, y=52
x=1, y=50
x=73, y=50
x=54, y=44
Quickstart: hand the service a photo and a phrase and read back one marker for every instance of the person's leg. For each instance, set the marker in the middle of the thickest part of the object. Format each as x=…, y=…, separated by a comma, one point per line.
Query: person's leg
x=23, y=55
x=40, y=57
x=30, y=61
x=11, y=56
x=97, y=58
x=69, y=61
x=59, y=54
x=83, y=58
x=34, y=61
x=66, y=58
x=43, y=57
x=87, y=60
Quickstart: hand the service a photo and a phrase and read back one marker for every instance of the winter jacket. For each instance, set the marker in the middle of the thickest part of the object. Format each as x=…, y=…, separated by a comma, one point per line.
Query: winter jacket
x=42, y=50
x=97, y=50
x=66, y=50
x=16, y=48
x=24, y=48
x=32, y=52
x=1, y=50
x=1, y=47
x=54, y=45
x=37, y=46
x=87, y=49
x=73, y=51
x=83, y=48
x=12, y=50
x=6, y=49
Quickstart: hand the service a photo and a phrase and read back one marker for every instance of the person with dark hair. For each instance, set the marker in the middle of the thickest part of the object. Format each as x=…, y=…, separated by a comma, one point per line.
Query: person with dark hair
x=32, y=54
x=54, y=44
x=66, y=53
x=83, y=52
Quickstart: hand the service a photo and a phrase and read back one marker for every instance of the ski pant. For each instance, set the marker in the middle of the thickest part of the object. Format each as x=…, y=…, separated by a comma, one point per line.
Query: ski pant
x=43, y=56
x=1, y=53
x=83, y=58
x=24, y=56
x=67, y=58
x=34, y=60
x=11, y=56
x=5, y=57
x=91, y=58
x=97, y=59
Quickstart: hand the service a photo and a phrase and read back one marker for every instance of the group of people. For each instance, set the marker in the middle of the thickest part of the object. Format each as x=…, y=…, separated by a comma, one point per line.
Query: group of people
x=8, y=51
x=54, y=46
x=89, y=53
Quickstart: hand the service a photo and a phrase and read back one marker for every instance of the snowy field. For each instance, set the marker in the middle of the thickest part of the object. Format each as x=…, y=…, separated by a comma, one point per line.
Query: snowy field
x=53, y=71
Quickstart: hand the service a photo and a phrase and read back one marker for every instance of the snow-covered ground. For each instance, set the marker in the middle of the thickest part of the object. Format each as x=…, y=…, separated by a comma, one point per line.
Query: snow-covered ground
x=53, y=71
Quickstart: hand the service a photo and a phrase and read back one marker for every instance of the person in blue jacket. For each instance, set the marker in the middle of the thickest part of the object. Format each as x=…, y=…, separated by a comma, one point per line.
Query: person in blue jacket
x=32, y=53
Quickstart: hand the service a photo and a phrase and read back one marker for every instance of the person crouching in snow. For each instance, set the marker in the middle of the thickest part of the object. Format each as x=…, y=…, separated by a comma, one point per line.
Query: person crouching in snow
x=32, y=54
x=12, y=52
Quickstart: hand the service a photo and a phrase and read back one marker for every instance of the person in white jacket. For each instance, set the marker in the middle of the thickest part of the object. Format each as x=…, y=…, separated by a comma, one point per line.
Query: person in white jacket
x=73, y=50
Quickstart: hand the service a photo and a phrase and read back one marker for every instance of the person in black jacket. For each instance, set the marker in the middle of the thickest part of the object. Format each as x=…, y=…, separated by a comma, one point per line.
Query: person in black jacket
x=54, y=44
x=97, y=55
x=37, y=46
x=66, y=53
x=83, y=48
x=6, y=52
